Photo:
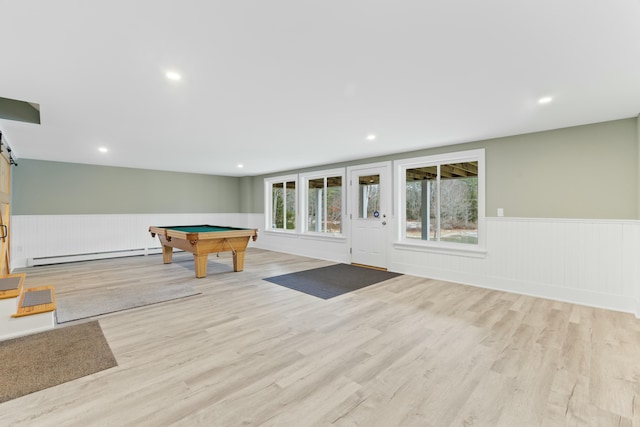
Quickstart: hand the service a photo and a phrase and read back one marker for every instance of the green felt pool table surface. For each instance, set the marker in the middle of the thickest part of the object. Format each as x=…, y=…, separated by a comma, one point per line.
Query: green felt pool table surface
x=203, y=228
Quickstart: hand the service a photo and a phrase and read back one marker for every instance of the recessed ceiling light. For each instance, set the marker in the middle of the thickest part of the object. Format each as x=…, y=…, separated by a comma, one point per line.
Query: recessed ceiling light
x=371, y=137
x=240, y=166
x=172, y=75
x=103, y=149
x=545, y=100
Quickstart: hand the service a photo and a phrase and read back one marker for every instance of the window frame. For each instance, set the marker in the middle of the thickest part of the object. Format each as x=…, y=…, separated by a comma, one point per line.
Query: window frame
x=401, y=166
x=304, y=201
x=268, y=201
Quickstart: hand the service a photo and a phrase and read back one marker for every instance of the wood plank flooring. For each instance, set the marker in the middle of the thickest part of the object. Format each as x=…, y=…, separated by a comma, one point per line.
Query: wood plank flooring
x=405, y=352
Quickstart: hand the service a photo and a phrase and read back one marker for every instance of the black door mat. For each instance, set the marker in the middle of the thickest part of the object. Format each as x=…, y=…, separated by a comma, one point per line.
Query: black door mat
x=332, y=281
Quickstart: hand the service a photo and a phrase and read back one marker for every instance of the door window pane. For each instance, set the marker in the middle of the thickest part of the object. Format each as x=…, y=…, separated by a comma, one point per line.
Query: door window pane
x=369, y=196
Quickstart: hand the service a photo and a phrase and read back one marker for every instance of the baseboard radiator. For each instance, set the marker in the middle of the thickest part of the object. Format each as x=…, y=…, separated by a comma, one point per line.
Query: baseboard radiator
x=60, y=259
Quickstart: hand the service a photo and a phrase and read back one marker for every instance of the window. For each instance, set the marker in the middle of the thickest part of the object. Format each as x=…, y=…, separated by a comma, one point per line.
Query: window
x=442, y=199
x=280, y=197
x=324, y=197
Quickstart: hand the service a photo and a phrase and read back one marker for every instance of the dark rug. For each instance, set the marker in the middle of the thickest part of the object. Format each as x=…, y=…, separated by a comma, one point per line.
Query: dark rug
x=35, y=362
x=82, y=304
x=331, y=281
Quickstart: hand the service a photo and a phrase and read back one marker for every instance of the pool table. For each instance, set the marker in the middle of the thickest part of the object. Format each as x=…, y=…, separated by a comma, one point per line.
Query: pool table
x=201, y=240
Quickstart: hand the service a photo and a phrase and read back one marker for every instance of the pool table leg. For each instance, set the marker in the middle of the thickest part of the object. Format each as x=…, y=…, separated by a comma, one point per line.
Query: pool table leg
x=200, y=262
x=167, y=254
x=238, y=261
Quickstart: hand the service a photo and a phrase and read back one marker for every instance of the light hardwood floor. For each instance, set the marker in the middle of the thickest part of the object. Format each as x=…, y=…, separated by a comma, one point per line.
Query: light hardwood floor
x=406, y=352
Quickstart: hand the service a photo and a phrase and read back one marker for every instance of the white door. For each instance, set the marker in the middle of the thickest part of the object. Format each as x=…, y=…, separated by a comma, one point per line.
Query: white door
x=370, y=213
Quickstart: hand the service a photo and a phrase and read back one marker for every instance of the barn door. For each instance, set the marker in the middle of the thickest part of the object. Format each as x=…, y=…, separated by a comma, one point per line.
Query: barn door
x=5, y=211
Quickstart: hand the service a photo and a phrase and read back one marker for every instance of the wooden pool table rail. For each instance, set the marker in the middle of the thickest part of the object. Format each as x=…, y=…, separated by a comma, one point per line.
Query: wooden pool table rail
x=201, y=244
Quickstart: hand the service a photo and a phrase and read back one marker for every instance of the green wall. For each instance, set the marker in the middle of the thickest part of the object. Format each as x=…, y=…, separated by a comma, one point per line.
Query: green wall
x=46, y=188
x=588, y=171
x=579, y=172
x=21, y=111
x=246, y=195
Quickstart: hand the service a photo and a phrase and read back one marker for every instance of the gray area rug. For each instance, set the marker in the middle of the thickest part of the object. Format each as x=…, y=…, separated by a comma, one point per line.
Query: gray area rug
x=331, y=281
x=35, y=362
x=82, y=304
x=9, y=283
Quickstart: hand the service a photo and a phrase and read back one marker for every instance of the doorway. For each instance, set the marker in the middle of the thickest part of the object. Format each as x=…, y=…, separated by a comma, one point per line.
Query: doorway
x=370, y=213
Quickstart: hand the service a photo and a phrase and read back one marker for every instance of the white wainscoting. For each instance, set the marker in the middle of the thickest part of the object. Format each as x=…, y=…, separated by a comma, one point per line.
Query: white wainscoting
x=314, y=246
x=59, y=238
x=590, y=262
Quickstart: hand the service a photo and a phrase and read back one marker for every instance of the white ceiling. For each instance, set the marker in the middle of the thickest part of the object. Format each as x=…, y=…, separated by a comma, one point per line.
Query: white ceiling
x=283, y=84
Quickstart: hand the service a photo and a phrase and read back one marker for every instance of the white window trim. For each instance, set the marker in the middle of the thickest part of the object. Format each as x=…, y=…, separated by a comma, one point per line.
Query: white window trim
x=400, y=168
x=303, y=201
x=268, y=218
